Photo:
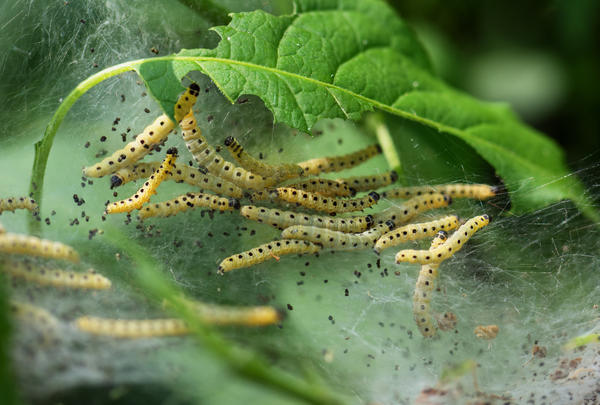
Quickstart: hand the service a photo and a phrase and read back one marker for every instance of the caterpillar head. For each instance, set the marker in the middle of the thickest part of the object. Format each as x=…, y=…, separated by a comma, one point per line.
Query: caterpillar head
x=229, y=140
x=374, y=195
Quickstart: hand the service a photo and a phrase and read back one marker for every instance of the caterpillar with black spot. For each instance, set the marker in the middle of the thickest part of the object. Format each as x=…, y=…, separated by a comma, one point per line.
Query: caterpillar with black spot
x=132, y=329
x=283, y=219
x=265, y=252
x=279, y=172
x=335, y=240
x=338, y=163
x=452, y=245
x=153, y=135
x=55, y=277
x=370, y=182
x=424, y=288
x=188, y=201
x=410, y=208
x=147, y=190
x=180, y=173
x=318, y=202
x=18, y=203
x=325, y=187
x=475, y=191
x=414, y=232
x=13, y=243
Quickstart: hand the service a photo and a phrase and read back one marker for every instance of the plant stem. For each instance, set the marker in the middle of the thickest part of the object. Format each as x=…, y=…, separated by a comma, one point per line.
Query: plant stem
x=375, y=123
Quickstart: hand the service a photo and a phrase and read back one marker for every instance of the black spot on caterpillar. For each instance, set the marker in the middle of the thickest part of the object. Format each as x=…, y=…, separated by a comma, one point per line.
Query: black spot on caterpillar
x=180, y=173
x=12, y=243
x=371, y=182
x=325, y=187
x=153, y=135
x=147, y=190
x=476, y=191
x=15, y=203
x=283, y=219
x=408, y=209
x=414, y=232
x=338, y=163
x=188, y=201
x=318, y=202
x=423, y=290
x=206, y=156
x=337, y=240
x=451, y=246
x=279, y=172
x=265, y=252
x=55, y=277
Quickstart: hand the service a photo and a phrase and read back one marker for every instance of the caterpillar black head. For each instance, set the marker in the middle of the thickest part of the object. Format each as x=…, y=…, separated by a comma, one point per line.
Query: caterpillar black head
x=234, y=203
x=369, y=220
x=374, y=195
x=487, y=217
x=378, y=146
x=393, y=176
x=390, y=224
x=172, y=151
x=194, y=89
x=115, y=181
x=352, y=191
x=448, y=198
x=229, y=140
x=443, y=235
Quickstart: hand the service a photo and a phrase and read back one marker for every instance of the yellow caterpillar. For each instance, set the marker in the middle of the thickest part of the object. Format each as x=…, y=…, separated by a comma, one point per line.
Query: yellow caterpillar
x=338, y=163
x=325, y=187
x=147, y=190
x=230, y=315
x=56, y=277
x=180, y=173
x=13, y=243
x=452, y=245
x=188, y=201
x=337, y=240
x=153, y=135
x=265, y=252
x=279, y=172
x=424, y=288
x=16, y=203
x=206, y=156
x=414, y=232
x=410, y=208
x=370, y=182
x=283, y=219
x=318, y=202
x=476, y=191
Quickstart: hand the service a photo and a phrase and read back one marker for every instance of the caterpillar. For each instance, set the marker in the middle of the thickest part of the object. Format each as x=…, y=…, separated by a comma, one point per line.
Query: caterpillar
x=337, y=240
x=147, y=190
x=13, y=243
x=134, y=328
x=317, y=202
x=230, y=315
x=452, y=245
x=423, y=289
x=265, y=252
x=206, y=156
x=370, y=182
x=338, y=163
x=56, y=277
x=325, y=187
x=410, y=208
x=476, y=191
x=33, y=314
x=283, y=219
x=143, y=143
x=280, y=172
x=187, y=201
x=180, y=174
x=414, y=232
x=15, y=203
x=487, y=332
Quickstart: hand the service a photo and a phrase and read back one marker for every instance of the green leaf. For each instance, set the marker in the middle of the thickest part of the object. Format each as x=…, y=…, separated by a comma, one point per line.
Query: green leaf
x=342, y=58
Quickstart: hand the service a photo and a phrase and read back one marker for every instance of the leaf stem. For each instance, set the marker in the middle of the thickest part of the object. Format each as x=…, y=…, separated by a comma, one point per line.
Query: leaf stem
x=375, y=123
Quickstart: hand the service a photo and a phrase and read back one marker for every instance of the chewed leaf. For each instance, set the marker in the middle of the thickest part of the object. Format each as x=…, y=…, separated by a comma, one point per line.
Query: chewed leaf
x=342, y=58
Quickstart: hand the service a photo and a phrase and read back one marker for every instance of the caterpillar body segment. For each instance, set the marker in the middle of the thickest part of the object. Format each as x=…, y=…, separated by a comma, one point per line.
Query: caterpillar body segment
x=18, y=203
x=143, y=195
x=475, y=191
x=325, y=187
x=410, y=208
x=55, y=277
x=13, y=243
x=181, y=173
x=33, y=314
x=335, y=240
x=283, y=219
x=153, y=135
x=338, y=163
x=232, y=315
x=318, y=202
x=424, y=288
x=451, y=246
x=370, y=182
x=206, y=156
x=265, y=252
x=280, y=172
x=414, y=232
x=132, y=329
x=188, y=201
